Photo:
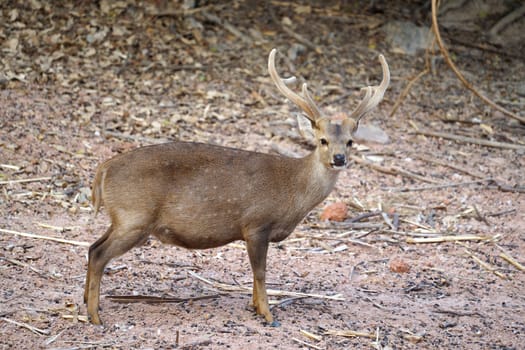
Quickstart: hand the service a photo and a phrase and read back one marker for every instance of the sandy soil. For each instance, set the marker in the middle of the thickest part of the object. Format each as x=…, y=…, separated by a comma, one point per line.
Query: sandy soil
x=83, y=81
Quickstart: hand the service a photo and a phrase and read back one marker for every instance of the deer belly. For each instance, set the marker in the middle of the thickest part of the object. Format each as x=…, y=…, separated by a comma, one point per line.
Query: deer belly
x=195, y=238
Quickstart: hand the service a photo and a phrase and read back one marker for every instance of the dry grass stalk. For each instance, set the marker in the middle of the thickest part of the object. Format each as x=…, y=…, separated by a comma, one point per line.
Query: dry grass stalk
x=512, y=261
x=55, y=228
x=310, y=335
x=274, y=292
x=306, y=344
x=442, y=239
x=33, y=329
x=54, y=239
x=36, y=179
x=349, y=333
x=485, y=265
x=10, y=167
x=34, y=269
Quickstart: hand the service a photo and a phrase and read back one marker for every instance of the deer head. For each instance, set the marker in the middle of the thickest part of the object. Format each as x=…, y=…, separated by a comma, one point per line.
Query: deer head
x=332, y=134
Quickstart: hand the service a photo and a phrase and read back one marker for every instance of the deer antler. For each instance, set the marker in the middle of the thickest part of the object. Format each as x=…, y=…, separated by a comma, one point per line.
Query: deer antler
x=305, y=102
x=373, y=94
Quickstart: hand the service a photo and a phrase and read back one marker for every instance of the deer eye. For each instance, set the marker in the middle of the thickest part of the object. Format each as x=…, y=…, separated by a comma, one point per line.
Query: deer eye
x=324, y=142
x=349, y=143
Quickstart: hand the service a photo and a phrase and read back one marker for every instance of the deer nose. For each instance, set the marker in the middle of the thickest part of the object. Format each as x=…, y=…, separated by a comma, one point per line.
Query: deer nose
x=339, y=159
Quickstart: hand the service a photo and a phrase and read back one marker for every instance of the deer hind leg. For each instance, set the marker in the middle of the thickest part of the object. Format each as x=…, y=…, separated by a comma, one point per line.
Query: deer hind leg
x=257, y=249
x=90, y=254
x=113, y=243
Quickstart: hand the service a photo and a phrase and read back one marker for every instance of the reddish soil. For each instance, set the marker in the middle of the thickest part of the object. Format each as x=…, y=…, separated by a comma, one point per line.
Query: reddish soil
x=83, y=81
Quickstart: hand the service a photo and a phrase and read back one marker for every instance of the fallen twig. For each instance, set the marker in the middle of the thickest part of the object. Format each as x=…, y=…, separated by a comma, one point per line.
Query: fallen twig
x=34, y=269
x=36, y=179
x=155, y=300
x=350, y=334
x=60, y=240
x=306, y=344
x=442, y=239
x=404, y=93
x=433, y=187
x=448, y=164
x=229, y=27
x=33, y=329
x=466, y=139
x=392, y=170
x=458, y=313
x=293, y=34
x=444, y=52
x=273, y=292
x=485, y=265
x=512, y=261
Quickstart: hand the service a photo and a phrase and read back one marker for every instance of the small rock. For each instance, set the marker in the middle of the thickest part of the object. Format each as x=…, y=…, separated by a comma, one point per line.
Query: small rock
x=335, y=212
x=399, y=265
x=406, y=37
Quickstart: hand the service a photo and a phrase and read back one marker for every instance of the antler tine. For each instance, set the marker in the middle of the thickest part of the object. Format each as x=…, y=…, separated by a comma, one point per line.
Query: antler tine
x=311, y=101
x=306, y=103
x=373, y=94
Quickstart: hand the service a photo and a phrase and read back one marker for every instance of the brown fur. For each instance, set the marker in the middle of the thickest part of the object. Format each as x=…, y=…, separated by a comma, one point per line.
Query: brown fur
x=201, y=196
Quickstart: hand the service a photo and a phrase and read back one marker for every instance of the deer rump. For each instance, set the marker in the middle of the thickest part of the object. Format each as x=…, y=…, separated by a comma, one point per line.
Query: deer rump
x=202, y=196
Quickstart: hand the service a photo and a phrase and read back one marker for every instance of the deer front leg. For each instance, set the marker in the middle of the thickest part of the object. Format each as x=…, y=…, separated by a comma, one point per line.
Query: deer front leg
x=257, y=249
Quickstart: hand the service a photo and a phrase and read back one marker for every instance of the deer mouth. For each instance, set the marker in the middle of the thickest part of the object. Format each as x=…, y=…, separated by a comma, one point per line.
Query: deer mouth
x=338, y=165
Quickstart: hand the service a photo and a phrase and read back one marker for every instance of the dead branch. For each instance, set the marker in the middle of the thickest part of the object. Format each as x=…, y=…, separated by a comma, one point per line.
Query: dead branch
x=245, y=290
x=155, y=300
x=33, y=329
x=31, y=235
x=405, y=92
x=444, y=52
x=392, y=170
x=448, y=164
x=442, y=239
x=37, y=179
x=228, y=26
x=473, y=140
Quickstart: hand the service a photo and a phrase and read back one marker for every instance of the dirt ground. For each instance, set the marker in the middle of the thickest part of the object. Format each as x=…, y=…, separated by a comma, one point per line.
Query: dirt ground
x=81, y=81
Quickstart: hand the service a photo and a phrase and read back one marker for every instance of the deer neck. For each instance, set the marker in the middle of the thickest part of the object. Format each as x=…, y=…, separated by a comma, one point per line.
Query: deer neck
x=318, y=179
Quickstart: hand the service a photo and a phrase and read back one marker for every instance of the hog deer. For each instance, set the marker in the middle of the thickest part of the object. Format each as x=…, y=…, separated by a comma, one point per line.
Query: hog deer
x=200, y=196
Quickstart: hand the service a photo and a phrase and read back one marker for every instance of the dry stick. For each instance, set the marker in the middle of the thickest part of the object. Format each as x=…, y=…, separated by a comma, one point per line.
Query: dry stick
x=35, y=330
x=31, y=235
x=512, y=261
x=448, y=165
x=36, y=179
x=310, y=335
x=350, y=334
x=226, y=25
x=441, y=239
x=472, y=140
x=34, y=269
x=506, y=20
x=306, y=344
x=274, y=292
x=444, y=52
x=458, y=313
x=155, y=300
x=293, y=34
x=392, y=170
x=438, y=187
x=405, y=92
x=485, y=265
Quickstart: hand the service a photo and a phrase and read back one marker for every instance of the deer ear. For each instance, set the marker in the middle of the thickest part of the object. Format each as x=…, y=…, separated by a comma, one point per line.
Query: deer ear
x=305, y=127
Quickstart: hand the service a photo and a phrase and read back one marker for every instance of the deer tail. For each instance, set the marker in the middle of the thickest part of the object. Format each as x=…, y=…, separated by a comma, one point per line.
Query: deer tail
x=96, y=190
